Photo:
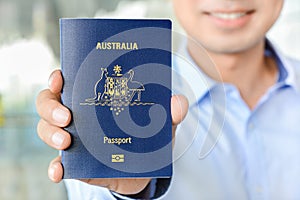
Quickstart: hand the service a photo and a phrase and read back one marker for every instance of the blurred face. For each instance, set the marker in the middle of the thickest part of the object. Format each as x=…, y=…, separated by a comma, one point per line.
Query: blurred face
x=227, y=26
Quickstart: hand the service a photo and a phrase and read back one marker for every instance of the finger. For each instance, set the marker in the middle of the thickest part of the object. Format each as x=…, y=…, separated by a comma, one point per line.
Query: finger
x=53, y=135
x=55, y=170
x=123, y=186
x=179, y=108
x=55, y=82
x=51, y=110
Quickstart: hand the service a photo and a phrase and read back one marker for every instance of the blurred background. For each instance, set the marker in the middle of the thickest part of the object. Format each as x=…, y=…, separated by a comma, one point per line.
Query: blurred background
x=29, y=51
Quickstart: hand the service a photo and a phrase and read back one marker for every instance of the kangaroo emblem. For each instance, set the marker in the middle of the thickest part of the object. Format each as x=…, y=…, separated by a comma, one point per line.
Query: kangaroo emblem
x=98, y=90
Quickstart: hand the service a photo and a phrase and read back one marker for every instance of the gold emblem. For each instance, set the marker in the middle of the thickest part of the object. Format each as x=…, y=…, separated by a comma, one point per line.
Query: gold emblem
x=117, y=158
x=117, y=90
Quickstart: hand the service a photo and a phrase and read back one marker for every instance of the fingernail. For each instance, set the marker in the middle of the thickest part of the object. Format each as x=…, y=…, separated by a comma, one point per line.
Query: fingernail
x=50, y=80
x=60, y=115
x=58, y=139
x=51, y=172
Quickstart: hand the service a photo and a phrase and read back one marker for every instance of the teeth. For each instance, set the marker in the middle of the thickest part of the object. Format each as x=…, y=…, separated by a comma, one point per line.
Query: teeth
x=228, y=15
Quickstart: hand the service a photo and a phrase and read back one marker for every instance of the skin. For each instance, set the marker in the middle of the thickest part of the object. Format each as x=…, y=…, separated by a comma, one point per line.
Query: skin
x=235, y=45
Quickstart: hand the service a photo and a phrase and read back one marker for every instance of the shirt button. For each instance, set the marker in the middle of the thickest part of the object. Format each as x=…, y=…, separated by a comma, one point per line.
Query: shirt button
x=259, y=189
x=251, y=126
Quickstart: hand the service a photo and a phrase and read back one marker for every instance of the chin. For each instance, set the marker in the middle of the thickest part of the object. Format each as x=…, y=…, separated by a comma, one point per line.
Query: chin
x=230, y=45
x=221, y=48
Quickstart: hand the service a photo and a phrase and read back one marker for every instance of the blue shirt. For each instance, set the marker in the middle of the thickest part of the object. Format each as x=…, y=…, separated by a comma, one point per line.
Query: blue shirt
x=224, y=150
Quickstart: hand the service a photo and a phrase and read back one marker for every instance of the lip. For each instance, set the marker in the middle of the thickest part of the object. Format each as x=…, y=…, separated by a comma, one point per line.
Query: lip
x=229, y=19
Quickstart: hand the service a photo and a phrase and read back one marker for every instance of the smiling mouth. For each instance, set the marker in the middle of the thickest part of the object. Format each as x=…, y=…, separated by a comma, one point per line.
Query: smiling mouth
x=228, y=15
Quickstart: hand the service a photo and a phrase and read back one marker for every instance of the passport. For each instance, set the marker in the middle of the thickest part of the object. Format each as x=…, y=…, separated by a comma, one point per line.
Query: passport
x=117, y=84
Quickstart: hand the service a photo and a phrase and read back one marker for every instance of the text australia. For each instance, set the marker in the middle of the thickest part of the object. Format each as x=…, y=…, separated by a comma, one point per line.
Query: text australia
x=117, y=46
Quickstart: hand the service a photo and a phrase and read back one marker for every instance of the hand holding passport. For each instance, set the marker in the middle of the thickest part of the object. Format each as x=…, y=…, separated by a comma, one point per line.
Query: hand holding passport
x=51, y=126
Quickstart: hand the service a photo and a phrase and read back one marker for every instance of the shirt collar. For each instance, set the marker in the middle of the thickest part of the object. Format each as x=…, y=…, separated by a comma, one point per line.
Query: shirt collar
x=287, y=75
x=188, y=77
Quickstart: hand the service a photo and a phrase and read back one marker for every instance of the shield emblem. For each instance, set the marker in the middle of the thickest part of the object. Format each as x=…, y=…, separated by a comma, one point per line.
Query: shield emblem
x=120, y=87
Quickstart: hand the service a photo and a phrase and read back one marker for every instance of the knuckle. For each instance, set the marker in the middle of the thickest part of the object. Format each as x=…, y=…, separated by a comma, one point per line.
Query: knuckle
x=43, y=131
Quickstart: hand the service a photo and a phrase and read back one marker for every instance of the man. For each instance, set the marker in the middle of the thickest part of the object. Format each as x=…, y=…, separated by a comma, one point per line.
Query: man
x=243, y=142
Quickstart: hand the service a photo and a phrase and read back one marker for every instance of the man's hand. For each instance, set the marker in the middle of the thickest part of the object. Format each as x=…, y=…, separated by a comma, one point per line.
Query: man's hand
x=54, y=117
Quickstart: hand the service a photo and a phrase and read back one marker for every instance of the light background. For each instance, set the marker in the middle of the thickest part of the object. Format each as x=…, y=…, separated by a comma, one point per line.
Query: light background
x=29, y=51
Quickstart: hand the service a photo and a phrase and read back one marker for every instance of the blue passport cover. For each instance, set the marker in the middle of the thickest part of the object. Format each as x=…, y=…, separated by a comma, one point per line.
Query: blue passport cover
x=117, y=84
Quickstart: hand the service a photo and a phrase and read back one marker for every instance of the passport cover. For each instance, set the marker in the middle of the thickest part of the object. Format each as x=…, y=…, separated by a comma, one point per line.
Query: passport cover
x=117, y=84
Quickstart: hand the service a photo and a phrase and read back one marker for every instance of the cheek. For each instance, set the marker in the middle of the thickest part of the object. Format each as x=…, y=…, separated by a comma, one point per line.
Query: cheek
x=268, y=13
x=186, y=12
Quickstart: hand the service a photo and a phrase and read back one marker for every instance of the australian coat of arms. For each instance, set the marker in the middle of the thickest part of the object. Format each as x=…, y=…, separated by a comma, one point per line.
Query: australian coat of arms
x=116, y=90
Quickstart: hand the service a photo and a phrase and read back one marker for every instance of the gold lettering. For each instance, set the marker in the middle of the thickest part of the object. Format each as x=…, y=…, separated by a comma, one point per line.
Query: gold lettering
x=124, y=46
x=135, y=46
x=117, y=46
x=98, y=45
x=118, y=141
x=108, y=44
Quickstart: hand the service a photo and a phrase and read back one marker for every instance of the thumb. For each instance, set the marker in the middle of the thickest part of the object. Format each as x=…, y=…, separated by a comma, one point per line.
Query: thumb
x=179, y=108
x=55, y=82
